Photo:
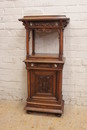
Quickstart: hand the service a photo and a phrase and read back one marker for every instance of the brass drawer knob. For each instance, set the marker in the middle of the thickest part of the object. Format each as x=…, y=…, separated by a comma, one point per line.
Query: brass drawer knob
x=55, y=65
x=30, y=24
x=32, y=64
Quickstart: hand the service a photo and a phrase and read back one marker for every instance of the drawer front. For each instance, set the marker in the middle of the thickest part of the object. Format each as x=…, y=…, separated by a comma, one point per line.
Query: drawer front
x=40, y=65
x=45, y=65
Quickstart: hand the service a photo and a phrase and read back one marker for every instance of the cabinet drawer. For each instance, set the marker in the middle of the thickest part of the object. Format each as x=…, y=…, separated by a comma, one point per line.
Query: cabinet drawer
x=40, y=65
x=45, y=65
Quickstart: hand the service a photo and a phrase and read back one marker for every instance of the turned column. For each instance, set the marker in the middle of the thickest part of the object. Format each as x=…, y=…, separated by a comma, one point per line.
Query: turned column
x=33, y=42
x=61, y=42
x=27, y=42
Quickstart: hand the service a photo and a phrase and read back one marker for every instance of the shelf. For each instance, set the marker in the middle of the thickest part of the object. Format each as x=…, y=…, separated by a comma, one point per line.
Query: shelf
x=44, y=18
x=44, y=61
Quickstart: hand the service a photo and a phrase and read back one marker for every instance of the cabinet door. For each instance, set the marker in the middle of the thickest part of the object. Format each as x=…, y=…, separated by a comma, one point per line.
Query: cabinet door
x=43, y=84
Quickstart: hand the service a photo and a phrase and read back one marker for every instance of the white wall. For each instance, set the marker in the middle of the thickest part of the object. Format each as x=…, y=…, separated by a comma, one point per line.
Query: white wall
x=12, y=47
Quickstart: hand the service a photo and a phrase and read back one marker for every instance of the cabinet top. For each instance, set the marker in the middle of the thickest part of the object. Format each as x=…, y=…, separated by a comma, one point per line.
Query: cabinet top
x=45, y=18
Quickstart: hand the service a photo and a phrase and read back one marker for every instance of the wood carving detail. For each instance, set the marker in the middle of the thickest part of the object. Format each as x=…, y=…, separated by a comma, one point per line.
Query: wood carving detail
x=44, y=24
x=44, y=84
x=45, y=30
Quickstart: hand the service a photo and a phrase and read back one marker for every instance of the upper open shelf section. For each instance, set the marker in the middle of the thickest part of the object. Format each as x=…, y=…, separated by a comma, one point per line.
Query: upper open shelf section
x=44, y=23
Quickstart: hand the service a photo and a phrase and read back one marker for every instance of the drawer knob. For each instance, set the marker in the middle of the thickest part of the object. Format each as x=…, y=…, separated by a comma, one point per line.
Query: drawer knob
x=30, y=24
x=55, y=65
x=32, y=64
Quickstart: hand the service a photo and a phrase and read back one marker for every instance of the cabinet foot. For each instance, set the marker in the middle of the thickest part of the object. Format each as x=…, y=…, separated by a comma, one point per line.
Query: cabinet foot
x=28, y=112
x=58, y=115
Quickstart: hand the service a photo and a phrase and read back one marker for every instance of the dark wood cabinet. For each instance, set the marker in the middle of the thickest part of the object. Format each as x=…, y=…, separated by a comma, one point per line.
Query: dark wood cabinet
x=44, y=71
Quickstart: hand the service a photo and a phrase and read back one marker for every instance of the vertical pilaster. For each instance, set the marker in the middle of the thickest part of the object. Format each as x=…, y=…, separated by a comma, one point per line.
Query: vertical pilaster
x=28, y=83
x=59, y=80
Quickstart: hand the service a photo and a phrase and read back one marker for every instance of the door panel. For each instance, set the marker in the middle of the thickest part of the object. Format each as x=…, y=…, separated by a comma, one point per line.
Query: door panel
x=43, y=83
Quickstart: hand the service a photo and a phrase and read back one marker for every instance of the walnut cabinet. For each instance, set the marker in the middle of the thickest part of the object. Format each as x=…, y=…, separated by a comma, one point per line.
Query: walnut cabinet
x=44, y=71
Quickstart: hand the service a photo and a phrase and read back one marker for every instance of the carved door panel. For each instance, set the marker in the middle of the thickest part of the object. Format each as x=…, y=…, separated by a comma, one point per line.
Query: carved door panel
x=43, y=83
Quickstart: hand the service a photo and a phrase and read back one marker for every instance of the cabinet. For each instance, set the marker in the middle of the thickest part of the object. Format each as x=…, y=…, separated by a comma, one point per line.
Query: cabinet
x=44, y=71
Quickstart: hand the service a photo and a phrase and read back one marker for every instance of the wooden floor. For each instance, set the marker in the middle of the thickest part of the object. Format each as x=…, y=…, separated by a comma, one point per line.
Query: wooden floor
x=13, y=117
